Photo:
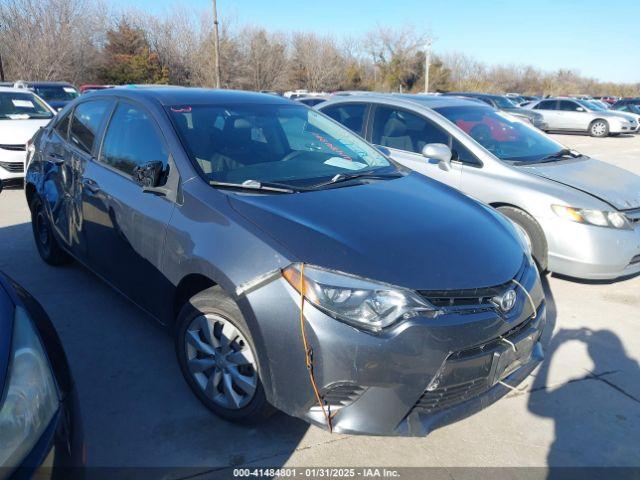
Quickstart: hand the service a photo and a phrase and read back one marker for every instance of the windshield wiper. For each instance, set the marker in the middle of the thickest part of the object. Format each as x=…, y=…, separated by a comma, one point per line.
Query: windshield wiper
x=565, y=152
x=345, y=177
x=256, y=185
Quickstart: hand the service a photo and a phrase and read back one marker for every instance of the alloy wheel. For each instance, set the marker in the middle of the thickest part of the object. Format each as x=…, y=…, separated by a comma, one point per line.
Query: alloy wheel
x=221, y=362
x=599, y=129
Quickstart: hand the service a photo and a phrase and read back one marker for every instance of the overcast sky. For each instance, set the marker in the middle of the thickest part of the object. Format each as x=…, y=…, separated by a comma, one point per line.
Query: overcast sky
x=598, y=39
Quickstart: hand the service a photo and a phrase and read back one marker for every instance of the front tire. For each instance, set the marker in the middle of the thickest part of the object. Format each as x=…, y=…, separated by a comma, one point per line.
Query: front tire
x=537, y=239
x=217, y=357
x=599, y=128
x=46, y=243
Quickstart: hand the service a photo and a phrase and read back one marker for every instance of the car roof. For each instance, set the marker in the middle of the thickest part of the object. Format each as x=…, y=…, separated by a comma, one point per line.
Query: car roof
x=478, y=95
x=428, y=101
x=46, y=84
x=174, y=95
x=15, y=90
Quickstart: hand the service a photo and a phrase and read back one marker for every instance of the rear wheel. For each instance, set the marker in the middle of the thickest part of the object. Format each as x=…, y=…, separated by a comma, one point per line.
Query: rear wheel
x=217, y=358
x=48, y=247
x=533, y=232
x=599, y=128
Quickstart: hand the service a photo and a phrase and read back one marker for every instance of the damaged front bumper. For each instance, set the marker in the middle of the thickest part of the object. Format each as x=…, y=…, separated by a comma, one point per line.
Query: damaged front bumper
x=421, y=374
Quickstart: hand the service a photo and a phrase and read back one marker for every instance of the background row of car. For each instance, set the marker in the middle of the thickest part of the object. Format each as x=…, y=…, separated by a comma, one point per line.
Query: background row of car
x=581, y=216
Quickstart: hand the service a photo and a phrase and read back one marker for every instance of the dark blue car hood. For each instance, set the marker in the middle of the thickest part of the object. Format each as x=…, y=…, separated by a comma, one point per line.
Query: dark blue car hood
x=412, y=232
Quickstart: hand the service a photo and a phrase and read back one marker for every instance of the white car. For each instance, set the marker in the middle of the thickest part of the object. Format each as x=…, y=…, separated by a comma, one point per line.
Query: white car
x=575, y=115
x=22, y=113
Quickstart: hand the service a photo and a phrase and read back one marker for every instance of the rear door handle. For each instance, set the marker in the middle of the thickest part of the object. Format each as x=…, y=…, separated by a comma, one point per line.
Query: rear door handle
x=91, y=185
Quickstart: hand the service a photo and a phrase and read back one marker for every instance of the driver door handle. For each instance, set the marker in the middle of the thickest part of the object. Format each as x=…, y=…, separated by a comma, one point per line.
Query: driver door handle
x=91, y=185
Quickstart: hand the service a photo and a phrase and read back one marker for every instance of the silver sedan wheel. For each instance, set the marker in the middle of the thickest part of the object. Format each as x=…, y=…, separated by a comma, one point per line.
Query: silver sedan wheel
x=599, y=129
x=221, y=361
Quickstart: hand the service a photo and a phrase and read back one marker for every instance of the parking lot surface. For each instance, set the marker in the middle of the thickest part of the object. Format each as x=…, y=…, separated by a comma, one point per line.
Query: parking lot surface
x=581, y=409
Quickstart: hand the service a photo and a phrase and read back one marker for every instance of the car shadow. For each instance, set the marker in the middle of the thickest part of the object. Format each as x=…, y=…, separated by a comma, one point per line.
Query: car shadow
x=599, y=399
x=140, y=418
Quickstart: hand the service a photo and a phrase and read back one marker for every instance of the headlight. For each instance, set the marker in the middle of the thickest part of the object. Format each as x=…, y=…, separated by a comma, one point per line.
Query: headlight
x=357, y=301
x=593, y=217
x=30, y=396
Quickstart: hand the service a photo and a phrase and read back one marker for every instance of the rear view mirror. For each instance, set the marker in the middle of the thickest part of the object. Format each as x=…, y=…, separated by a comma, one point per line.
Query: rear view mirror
x=440, y=152
x=148, y=175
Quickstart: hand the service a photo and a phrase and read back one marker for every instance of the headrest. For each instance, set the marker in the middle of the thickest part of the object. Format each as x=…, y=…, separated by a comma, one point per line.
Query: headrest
x=394, y=128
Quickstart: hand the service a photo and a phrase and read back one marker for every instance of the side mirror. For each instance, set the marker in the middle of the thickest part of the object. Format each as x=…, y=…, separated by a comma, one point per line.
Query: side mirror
x=0, y=185
x=440, y=152
x=148, y=175
x=580, y=109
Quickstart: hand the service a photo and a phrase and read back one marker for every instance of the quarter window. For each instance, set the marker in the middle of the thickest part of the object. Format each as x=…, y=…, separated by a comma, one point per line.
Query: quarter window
x=132, y=140
x=403, y=130
x=349, y=115
x=85, y=122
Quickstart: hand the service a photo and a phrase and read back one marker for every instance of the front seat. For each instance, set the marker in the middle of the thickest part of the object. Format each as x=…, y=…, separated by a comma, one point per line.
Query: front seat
x=394, y=135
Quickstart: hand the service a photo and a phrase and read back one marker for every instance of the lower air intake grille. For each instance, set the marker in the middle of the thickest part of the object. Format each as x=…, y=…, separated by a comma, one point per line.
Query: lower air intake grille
x=13, y=167
x=444, y=397
x=343, y=394
x=635, y=260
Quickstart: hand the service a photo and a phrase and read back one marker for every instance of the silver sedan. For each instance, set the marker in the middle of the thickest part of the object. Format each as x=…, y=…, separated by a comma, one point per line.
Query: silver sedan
x=581, y=216
x=569, y=114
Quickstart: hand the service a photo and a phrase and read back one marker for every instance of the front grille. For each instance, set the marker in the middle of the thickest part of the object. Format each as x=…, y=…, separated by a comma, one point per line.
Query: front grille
x=13, y=167
x=469, y=300
x=445, y=397
x=635, y=260
x=465, y=374
x=14, y=148
x=343, y=394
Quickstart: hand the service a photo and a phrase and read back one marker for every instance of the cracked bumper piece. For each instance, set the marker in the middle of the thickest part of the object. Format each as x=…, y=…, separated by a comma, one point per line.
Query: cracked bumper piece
x=421, y=374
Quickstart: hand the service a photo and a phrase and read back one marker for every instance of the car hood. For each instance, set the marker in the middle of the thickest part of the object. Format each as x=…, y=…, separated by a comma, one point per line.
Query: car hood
x=616, y=186
x=412, y=232
x=520, y=111
x=612, y=115
x=15, y=132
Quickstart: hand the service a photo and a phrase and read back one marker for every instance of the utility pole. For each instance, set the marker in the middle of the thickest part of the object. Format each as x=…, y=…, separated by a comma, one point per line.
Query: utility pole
x=427, y=64
x=216, y=41
x=1, y=70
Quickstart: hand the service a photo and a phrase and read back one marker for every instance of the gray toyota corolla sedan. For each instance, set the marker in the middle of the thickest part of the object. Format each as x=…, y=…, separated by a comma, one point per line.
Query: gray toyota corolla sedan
x=297, y=266
x=581, y=216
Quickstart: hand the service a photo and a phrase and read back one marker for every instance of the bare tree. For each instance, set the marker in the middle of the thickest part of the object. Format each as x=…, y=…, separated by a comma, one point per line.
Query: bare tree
x=317, y=63
x=264, y=58
x=51, y=39
x=394, y=52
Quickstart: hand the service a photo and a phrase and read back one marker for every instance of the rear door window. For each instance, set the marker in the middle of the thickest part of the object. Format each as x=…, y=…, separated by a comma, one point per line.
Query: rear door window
x=350, y=115
x=546, y=105
x=568, y=106
x=86, y=121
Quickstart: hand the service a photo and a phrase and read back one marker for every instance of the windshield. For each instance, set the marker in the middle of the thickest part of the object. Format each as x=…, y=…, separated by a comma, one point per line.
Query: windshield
x=288, y=144
x=504, y=102
x=22, y=106
x=591, y=105
x=57, y=93
x=505, y=136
